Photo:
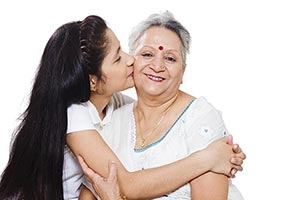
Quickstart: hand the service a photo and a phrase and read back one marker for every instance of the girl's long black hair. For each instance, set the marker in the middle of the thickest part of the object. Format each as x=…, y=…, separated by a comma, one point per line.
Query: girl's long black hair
x=35, y=166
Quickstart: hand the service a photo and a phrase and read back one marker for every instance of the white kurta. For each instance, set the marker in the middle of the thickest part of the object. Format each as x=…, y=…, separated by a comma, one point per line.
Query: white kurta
x=197, y=126
x=81, y=117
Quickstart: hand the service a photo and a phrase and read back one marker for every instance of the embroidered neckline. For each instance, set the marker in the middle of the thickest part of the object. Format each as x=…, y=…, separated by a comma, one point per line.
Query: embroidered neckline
x=164, y=136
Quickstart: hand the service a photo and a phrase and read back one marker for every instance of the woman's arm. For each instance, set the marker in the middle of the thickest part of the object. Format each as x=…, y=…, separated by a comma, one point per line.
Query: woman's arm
x=210, y=186
x=152, y=182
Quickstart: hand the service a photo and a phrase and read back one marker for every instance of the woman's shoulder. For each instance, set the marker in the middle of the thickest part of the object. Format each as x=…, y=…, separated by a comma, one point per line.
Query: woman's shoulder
x=201, y=103
x=198, y=103
x=203, y=111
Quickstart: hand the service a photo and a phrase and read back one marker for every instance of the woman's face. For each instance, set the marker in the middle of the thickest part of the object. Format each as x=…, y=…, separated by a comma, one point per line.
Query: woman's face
x=117, y=68
x=159, y=68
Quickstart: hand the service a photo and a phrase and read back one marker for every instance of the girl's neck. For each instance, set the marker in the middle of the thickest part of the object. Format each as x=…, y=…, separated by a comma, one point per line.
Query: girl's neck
x=100, y=102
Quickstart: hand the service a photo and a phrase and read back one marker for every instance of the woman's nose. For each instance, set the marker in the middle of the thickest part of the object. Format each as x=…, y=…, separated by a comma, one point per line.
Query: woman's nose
x=158, y=64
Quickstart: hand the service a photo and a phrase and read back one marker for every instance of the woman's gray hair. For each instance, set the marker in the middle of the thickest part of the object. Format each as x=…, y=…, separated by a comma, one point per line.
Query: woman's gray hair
x=166, y=20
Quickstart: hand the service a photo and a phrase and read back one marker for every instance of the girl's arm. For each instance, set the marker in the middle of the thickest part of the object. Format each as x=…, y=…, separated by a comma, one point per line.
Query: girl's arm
x=154, y=182
x=106, y=188
x=86, y=194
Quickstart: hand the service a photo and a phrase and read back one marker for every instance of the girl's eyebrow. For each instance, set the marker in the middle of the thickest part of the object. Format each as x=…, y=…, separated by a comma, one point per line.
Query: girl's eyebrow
x=117, y=52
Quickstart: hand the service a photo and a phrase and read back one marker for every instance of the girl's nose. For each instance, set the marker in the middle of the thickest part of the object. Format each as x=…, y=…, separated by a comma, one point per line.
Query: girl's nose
x=130, y=61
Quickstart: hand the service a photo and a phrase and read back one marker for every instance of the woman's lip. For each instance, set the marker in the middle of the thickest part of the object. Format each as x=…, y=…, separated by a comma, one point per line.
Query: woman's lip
x=155, y=78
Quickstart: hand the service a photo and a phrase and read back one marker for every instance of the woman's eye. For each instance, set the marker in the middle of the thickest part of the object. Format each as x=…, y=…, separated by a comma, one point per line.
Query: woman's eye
x=171, y=59
x=147, y=55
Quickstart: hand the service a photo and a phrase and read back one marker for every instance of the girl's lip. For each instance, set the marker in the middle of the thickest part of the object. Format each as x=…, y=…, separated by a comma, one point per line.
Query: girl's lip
x=131, y=74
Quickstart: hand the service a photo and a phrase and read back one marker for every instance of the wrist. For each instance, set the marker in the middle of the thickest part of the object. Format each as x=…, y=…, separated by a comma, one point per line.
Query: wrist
x=202, y=161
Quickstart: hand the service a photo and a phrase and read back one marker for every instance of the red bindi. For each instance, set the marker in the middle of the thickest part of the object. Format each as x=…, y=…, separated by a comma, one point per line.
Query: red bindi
x=161, y=48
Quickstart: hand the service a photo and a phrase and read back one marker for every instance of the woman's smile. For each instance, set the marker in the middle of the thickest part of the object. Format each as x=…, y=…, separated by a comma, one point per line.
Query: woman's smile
x=155, y=78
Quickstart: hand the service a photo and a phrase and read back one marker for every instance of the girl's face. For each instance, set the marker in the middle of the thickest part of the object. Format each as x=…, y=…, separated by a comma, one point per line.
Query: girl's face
x=159, y=67
x=117, y=69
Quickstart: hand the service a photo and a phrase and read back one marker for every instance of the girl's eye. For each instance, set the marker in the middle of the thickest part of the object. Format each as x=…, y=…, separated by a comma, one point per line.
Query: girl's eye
x=118, y=59
x=171, y=59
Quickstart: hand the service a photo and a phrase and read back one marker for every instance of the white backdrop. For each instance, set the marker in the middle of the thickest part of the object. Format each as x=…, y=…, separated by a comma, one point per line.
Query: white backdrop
x=244, y=60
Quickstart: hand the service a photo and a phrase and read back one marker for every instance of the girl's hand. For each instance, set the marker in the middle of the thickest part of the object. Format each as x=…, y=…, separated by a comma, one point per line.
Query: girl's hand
x=238, y=158
x=225, y=158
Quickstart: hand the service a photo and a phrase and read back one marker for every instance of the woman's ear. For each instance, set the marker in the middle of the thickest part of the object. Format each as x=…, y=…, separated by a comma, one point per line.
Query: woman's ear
x=93, y=82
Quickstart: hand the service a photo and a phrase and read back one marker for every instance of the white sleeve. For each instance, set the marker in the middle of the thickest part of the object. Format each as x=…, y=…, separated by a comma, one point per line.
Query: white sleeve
x=118, y=99
x=89, y=186
x=127, y=99
x=79, y=118
x=205, y=126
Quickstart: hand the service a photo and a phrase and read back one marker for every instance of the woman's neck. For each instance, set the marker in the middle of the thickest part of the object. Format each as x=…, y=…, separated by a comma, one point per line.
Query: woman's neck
x=155, y=115
x=100, y=102
x=154, y=106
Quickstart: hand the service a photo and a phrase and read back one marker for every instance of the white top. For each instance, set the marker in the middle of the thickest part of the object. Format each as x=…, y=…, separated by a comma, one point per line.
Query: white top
x=197, y=126
x=84, y=116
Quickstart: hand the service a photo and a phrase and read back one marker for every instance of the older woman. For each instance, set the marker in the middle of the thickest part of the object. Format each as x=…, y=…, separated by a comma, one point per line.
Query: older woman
x=166, y=124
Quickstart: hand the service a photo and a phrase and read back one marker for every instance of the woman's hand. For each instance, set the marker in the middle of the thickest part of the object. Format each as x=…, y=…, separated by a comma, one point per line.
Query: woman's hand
x=106, y=188
x=225, y=157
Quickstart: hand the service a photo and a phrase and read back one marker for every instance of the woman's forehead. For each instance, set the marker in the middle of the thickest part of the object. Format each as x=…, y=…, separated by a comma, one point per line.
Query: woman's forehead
x=160, y=38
